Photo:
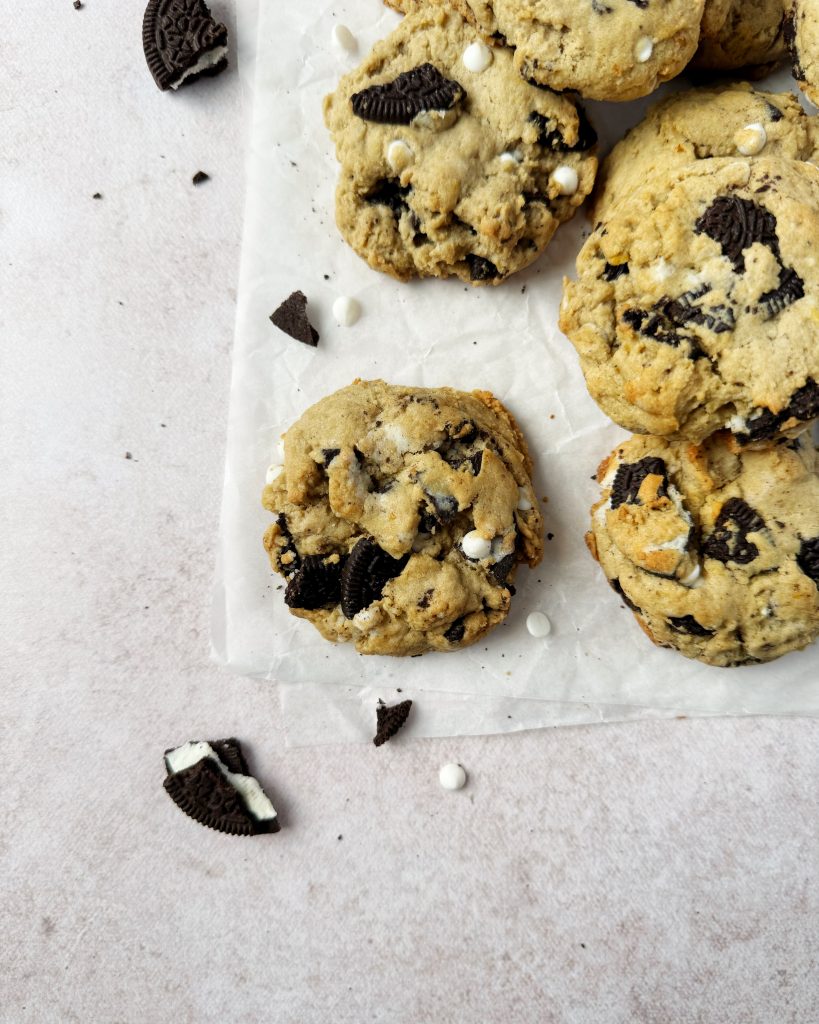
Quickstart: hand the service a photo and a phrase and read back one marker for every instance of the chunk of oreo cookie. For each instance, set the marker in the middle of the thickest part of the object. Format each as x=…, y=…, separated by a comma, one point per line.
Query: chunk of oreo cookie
x=481, y=269
x=182, y=42
x=736, y=224
x=551, y=137
x=366, y=571
x=808, y=558
x=455, y=633
x=688, y=624
x=729, y=541
x=388, y=720
x=210, y=782
x=612, y=271
x=291, y=317
x=791, y=288
x=501, y=569
x=388, y=192
x=316, y=584
x=629, y=479
x=292, y=563
x=412, y=93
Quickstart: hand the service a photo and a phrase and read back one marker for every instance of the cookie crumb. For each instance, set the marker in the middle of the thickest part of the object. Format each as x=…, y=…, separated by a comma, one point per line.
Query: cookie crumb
x=97, y=195
x=291, y=317
x=128, y=455
x=389, y=720
x=78, y=5
x=199, y=177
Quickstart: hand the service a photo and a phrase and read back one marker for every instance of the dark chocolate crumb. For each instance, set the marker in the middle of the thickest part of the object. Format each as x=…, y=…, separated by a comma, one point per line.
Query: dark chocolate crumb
x=128, y=456
x=97, y=195
x=199, y=177
x=78, y=5
x=389, y=720
x=550, y=536
x=291, y=317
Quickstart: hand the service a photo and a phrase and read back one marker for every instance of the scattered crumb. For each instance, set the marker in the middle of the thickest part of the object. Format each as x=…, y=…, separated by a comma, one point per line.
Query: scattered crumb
x=326, y=277
x=523, y=290
x=340, y=838
x=128, y=455
x=78, y=4
x=199, y=177
x=96, y=195
x=549, y=536
x=551, y=415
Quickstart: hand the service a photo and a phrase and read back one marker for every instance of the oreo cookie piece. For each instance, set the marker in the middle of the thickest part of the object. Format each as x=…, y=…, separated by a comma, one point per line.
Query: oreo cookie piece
x=316, y=584
x=182, y=42
x=365, y=574
x=291, y=317
x=423, y=90
x=729, y=541
x=389, y=719
x=736, y=224
x=808, y=558
x=210, y=782
x=629, y=479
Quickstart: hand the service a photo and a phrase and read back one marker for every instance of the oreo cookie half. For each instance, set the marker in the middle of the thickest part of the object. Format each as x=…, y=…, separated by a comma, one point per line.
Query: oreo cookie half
x=210, y=782
x=291, y=317
x=182, y=42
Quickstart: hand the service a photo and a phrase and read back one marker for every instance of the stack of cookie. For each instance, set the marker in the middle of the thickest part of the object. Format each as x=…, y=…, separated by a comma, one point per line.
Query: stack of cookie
x=696, y=319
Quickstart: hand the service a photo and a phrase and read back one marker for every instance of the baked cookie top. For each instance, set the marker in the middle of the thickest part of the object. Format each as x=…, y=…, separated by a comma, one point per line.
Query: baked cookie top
x=695, y=304
x=734, y=120
x=604, y=49
x=801, y=34
x=401, y=514
x=741, y=33
x=452, y=164
x=716, y=552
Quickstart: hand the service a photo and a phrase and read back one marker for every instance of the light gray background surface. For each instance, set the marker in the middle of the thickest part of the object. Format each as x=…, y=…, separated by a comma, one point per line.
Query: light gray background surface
x=651, y=873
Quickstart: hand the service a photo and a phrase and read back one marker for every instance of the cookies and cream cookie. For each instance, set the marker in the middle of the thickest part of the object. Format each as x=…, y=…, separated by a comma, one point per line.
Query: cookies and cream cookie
x=696, y=304
x=451, y=163
x=400, y=516
x=716, y=552
x=741, y=33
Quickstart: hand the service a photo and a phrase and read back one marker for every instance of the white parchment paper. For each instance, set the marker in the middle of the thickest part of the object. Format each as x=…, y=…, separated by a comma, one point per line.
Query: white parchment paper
x=431, y=333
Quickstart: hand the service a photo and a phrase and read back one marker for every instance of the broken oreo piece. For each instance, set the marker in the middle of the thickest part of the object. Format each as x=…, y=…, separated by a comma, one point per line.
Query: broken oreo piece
x=209, y=781
x=366, y=572
x=688, y=624
x=412, y=93
x=629, y=479
x=388, y=720
x=316, y=584
x=729, y=541
x=736, y=224
x=182, y=42
x=291, y=317
x=501, y=569
x=808, y=559
x=200, y=177
x=481, y=269
x=456, y=631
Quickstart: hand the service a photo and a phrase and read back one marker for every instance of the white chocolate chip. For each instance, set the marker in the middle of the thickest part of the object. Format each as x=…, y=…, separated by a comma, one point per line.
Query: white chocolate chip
x=510, y=159
x=662, y=270
x=751, y=139
x=692, y=577
x=566, y=180
x=475, y=546
x=477, y=57
x=644, y=49
x=344, y=39
x=524, y=504
x=538, y=624
x=452, y=776
x=399, y=155
x=273, y=473
x=346, y=310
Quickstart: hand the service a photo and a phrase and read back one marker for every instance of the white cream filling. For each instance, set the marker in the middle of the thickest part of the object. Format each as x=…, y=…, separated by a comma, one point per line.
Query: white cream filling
x=253, y=797
x=207, y=60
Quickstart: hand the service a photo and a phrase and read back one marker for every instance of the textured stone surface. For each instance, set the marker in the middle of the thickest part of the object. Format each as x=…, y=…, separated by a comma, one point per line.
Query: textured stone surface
x=645, y=873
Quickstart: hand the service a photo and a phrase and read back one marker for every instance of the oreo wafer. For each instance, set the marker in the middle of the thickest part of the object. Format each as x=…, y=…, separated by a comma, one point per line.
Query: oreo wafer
x=182, y=42
x=210, y=782
x=389, y=720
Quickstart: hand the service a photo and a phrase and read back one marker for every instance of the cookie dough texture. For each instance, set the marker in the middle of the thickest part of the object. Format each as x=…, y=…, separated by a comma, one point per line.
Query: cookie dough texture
x=801, y=34
x=695, y=304
x=704, y=123
x=401, y=515
x=472, y=193
x=741, y=33
x=603, y=49
x=716, y=553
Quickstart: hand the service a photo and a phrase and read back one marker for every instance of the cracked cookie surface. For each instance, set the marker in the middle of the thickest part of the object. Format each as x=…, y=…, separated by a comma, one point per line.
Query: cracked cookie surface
x=401, y=515
x=695, y=304
x=715, y=552
x=447, y=171
x=733, y=120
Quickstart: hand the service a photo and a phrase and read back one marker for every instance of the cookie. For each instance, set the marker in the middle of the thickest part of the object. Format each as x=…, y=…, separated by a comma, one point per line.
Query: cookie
x=801, y=35
x=695, y=307
x=211, y=783
x=603, y=49
x=451, y=164
x=389, y=719
x=715, y=552
x=401, y=514
x=182, y=42
x=734, y=120
x=741, y=33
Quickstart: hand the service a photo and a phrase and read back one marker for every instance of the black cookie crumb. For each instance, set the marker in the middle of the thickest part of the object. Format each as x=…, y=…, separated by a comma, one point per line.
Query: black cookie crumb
x=411, y=93
x=366, y=571
x=199, y=177
x=97, y=195
x=78, y=5
x=176, y=36
x=291, y=317
x=388, y=720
